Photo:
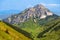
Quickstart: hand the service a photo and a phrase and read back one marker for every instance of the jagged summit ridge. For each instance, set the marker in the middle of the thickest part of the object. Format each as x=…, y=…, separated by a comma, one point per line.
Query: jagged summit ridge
x=40, y=11
x=39, y=6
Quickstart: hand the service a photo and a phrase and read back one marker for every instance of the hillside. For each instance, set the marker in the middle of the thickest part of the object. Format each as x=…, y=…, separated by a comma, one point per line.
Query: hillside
x=52, y=32
x=49, y=31
x=8, y=33
x=41, y=32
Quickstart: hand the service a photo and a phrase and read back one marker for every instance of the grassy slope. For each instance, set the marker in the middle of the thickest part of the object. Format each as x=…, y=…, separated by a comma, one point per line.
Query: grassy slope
x=7, y=33
x=53, y=33
x=35, y=29
x=31, y=27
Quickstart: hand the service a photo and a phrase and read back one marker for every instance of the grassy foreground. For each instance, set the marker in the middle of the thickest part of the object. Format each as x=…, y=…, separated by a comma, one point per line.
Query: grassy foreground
x=8, y=33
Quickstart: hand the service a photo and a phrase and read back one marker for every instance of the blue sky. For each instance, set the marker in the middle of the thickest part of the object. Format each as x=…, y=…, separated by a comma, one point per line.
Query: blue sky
x=20, y=5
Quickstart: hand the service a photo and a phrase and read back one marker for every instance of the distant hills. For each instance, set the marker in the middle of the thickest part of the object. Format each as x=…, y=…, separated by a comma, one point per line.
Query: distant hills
x=7, y=13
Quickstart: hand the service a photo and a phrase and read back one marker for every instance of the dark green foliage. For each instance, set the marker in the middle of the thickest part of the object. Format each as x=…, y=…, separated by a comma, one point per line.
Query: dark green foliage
x=47, y=19
x=57, y=27
x=0, y=20
x=42, y=33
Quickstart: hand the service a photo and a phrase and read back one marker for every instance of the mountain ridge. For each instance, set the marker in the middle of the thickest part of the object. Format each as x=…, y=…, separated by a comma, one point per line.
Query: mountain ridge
x=36, y=12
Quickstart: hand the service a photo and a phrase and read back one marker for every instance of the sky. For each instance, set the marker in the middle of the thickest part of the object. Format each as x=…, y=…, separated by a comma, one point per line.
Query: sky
x=20, y=5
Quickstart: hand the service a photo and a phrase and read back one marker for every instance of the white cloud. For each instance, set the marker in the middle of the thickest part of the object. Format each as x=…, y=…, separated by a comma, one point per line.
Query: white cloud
x=53, y=5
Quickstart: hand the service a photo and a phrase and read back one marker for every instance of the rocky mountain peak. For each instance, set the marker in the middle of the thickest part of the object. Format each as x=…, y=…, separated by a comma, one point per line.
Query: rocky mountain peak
x=39, y=6
x=38, y=11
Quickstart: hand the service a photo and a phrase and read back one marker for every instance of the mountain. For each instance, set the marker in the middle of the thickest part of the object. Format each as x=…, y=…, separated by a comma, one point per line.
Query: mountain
x=37, y=23
x=37, y=12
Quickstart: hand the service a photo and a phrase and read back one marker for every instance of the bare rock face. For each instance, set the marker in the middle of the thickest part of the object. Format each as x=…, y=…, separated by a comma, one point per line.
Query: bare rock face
x=38, y=11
